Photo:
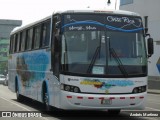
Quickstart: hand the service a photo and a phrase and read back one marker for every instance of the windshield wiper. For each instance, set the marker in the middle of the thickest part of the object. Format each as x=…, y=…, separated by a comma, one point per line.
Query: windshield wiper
x=120, y=65
x=117, y=59
x=93, y=59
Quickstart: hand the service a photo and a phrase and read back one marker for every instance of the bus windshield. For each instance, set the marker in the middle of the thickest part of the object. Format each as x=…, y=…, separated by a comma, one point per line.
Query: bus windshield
x=104, y=45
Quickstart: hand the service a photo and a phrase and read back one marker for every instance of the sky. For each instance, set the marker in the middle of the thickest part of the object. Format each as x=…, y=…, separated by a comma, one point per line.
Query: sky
x=32, y=10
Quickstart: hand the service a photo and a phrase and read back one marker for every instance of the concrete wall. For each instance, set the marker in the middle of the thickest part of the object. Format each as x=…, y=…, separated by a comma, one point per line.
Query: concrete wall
x=150, y=8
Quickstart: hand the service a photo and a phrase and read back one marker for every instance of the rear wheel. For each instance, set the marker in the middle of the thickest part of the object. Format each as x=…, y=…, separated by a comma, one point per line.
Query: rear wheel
x=19, y=97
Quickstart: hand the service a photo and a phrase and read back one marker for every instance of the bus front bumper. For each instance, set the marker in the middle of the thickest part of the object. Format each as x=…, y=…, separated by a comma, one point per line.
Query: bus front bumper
x=79, y=101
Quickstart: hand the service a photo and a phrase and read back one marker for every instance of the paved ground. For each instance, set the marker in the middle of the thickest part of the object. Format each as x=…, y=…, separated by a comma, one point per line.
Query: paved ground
x=8, y=102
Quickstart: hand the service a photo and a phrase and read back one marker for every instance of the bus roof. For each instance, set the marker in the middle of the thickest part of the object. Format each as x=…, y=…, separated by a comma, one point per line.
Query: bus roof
x=120, y=12
x=100, y=11
x=18, y=29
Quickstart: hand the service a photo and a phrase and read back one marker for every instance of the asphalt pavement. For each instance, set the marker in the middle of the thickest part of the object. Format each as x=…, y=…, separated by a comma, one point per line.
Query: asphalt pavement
x=9, y=103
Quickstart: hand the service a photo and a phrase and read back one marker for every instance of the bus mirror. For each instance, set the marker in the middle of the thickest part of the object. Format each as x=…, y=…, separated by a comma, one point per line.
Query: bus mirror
x=56, y=43
x=146, y=30
x=58, y=25
x=150, y=47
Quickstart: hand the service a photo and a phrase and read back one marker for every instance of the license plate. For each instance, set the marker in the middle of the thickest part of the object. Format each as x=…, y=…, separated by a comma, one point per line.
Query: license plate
x=106, y=101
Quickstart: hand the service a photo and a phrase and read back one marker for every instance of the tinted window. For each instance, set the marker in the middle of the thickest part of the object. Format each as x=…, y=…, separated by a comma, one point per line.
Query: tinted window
x=23, y=40
x=29, y=39
x=14, y=43
x=11, y=43
x=45, y=34
x=37, y=36
x=18, y=42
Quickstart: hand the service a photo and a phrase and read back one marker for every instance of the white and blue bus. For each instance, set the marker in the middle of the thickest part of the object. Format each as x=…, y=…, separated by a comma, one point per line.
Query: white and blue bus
x=82, y=60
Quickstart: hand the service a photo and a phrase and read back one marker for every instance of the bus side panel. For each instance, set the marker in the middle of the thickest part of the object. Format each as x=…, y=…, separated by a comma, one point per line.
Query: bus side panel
x=11, y=73
x=34, y=65
x=55, y=92
x=30, y=69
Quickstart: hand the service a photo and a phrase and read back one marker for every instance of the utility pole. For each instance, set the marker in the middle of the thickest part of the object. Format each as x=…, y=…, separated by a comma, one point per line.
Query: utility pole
x=115, y=4
x=109, y=2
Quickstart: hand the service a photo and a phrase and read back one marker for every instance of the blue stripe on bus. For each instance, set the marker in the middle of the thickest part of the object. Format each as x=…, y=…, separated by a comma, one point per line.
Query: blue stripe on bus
x=103, y=25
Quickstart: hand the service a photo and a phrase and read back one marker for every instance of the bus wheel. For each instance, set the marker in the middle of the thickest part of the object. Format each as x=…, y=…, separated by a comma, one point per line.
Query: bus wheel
x=114, y=112
x=46, y=102
x=19, y=97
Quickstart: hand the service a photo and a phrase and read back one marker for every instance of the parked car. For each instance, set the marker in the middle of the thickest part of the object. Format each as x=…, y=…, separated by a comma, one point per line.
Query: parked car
x=6, y=81
x=2, y=78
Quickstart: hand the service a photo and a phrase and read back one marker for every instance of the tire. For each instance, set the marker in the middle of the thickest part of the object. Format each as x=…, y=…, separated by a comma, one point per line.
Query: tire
x=114, y=112
x=19, y=96
x=46, y=101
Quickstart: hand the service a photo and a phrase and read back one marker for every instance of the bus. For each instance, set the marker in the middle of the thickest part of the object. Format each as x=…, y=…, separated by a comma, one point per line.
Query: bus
x=82, y=60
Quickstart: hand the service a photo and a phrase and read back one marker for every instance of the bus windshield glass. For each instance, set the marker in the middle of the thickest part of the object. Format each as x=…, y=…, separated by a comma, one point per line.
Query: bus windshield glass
x=104, y=45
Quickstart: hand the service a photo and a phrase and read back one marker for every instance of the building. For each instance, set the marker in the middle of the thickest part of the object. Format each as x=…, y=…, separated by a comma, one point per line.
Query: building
x=150, y=9
x=6, y=26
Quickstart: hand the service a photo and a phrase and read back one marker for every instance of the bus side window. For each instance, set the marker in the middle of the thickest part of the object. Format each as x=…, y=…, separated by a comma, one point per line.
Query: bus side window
x=37, y=37
x=18, y=42
x=29, y=39
x=23, y=40
x=11, y=44
x=14, y=43
x=45, y=34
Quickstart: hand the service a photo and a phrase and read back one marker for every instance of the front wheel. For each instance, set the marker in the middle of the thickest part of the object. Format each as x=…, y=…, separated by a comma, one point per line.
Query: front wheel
x=46, y=101
x=114, y=112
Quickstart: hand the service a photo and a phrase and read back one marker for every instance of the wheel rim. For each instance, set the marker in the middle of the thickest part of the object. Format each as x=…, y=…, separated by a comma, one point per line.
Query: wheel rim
x=46, y=100
x=17, y=94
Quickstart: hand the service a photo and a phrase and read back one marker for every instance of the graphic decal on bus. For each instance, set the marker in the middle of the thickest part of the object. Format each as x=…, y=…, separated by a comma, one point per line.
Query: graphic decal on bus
x=118, y=23
x=104, y=85
x=31, y=67
x=71, y=26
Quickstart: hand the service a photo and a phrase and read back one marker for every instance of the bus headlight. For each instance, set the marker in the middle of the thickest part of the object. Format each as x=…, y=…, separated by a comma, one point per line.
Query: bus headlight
x=135, y=90
x=76, y=90
x=143, y=88
x=70, y=88
x=67, y=88
x=139, y=89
